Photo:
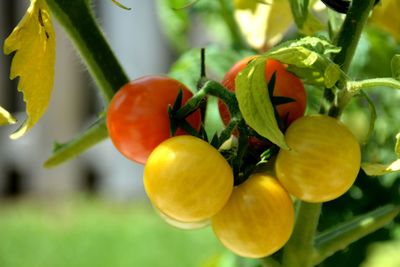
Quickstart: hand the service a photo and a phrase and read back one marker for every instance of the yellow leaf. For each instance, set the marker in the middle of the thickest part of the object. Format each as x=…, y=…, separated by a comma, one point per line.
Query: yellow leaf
x=245, y=4
x=34, y=42
x=381, y=169
x=6, y=117
x=267, y=24
x=386, y=16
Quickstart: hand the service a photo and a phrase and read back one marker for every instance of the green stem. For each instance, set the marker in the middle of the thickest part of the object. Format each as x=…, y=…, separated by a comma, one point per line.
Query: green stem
x=96, y=133
x=299, y=12
x=348, y=38
x=215, y=89
x=350, y=32
x=343, y=235
x=355, y=86
x=77, y=20
x=300, y=247
x=299, y=250
x=234, y=29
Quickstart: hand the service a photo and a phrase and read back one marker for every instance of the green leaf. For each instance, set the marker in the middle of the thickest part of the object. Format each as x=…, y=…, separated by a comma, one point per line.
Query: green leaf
x=383, y=254
x=312, y=25
x=299, y=11
x=6, y=118
x=245, y=4
x=339, y=237
x=34, y=42
x=376, y=169
x=332, y=75
x=175, y=22
x=396, y=67
x=255, y=103
x=309, y=59
x=314, y=44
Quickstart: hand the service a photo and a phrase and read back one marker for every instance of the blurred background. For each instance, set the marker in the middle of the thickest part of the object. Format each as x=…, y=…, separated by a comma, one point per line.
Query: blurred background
x=92, y=211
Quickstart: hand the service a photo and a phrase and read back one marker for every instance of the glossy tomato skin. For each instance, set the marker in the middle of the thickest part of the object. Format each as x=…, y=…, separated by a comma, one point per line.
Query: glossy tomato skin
x=137, y=117
x=258, y=218
x=286, y=85
x=323, y=160
x=187, y=179
x=182, y=225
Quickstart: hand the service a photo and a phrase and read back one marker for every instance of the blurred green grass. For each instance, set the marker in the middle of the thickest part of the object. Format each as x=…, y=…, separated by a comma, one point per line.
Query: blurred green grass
x=90, y=232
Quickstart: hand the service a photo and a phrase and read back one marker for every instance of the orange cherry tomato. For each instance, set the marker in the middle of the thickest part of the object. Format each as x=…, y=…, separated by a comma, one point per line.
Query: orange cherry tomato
x=286, y=85
x=137, y=117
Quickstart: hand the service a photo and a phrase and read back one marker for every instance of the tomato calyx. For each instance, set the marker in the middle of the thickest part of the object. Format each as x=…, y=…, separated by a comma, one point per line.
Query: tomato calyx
x=176, y=123
x=242, y=157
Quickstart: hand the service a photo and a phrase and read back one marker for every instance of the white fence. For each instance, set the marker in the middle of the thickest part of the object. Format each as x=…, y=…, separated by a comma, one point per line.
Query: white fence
x=138, y=43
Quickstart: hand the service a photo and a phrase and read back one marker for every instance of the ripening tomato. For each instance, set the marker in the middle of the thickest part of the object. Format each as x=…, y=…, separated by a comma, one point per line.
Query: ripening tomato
x=258, y=218
x=187, y=179
x=323, y=160
x=286, y=85
x=137, y=118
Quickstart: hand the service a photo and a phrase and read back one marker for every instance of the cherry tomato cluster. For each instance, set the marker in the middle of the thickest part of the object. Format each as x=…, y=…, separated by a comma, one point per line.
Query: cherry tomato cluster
x=191, y=183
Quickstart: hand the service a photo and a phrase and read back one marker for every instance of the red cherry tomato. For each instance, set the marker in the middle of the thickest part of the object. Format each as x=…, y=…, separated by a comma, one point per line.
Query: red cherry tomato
x=137, y=118
x=286, y=85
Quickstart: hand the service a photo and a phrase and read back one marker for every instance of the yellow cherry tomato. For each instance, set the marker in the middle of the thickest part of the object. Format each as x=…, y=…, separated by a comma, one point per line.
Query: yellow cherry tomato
x=258, y=218
x=323, y=160
x=187, y=179
x=182, y=225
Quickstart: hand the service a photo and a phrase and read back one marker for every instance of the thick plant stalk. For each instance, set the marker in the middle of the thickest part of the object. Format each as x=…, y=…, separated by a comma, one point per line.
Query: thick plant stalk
x=339, y=237
x=77, y=20
x=348, y=38
x=298, y=252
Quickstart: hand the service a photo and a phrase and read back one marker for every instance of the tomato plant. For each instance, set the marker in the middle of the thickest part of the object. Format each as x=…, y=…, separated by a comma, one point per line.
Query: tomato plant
x=258, y=218
x=286, y=85
x=323, y=160
x=187, y=179
x=137, y=118
x=190, y=179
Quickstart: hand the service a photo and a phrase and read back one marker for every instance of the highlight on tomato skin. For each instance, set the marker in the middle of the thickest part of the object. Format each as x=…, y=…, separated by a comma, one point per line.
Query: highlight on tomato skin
x=323, y=162
x=137, y=117
x=182, y=225
x=257, y=220
x=187, y=179
x=286, y=85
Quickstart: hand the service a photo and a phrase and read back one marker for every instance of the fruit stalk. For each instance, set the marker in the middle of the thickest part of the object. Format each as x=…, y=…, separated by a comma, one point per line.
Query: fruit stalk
x=77, y=20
